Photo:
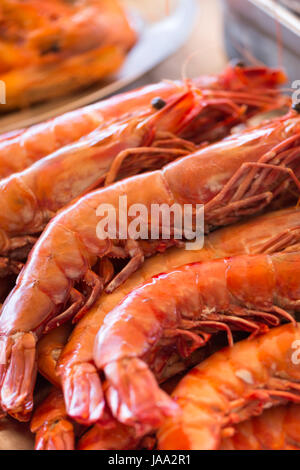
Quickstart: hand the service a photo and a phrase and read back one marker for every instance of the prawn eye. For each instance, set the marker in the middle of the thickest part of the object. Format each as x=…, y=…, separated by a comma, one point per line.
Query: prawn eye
x=52, y=48
x=296, y=107
x=158, y=103
x=237, y=63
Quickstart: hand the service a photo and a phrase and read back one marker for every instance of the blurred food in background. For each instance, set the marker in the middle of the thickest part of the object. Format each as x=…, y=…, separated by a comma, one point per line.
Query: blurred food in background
x=49, y=48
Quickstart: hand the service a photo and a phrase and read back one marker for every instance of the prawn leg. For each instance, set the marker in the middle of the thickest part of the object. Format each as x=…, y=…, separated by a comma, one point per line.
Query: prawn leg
x=54, y=431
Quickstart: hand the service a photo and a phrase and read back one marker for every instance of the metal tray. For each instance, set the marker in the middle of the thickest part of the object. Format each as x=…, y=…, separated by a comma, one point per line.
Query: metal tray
x=293, y=5
x=258, y=27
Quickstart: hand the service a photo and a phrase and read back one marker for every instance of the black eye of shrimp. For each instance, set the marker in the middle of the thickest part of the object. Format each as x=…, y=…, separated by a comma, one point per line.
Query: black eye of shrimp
x=158, y=103
x=53, y=48
x=237, y=63
x=296, y=107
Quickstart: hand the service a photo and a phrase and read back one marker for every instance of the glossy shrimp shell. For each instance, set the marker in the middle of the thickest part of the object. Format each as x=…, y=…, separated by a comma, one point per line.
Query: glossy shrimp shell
x=278, y=230
x=49, y=349
x=53, y=429
x=173, y=311
x=237, y=177
x=117, y=150
x=33, y=196
x=116, y=436
x=231, y=387
x=32, y=144
x=271, y=232
x=275, y=429
x=255, y=86
x=120, y=148
x=50, y=422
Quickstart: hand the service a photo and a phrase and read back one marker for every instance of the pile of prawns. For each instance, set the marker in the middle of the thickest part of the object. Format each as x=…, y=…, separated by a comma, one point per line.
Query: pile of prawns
x=97, y=318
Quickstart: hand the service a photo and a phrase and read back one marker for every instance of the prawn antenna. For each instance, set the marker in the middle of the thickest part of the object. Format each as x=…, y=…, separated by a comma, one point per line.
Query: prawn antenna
x=248, y=55
x=184, y=75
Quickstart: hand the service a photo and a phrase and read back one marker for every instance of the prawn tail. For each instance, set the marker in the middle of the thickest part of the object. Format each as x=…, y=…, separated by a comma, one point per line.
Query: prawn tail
x=50, y=423
x=19, y=378
x=134, y=396
x=83, y=394
x=58, y=436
